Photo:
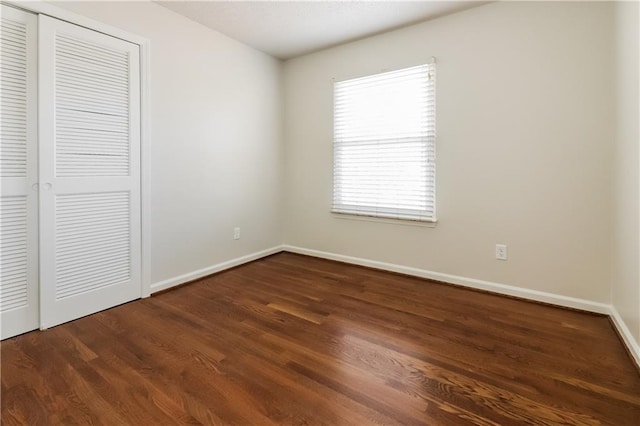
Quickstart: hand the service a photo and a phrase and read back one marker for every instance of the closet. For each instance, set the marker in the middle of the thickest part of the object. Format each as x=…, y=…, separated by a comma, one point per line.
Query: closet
x=69, y=169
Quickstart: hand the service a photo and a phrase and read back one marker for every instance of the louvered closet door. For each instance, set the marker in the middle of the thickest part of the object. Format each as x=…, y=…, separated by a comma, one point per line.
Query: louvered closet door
x=19, y=306
x=89, y=171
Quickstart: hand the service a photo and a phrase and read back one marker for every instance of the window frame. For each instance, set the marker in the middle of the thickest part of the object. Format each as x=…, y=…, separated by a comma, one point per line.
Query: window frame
x=427, y=138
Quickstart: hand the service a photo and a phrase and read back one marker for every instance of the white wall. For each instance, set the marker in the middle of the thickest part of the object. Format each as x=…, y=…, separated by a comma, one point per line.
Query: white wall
x=626, y=190
x=525, y=119
x=216, y=154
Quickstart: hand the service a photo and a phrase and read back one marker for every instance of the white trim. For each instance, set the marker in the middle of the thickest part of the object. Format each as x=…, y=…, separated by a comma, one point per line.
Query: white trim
x=145, y=165
x=539, y=296
x=44, y=8
x=184, y=278
x=625, y=334
x=387, y=220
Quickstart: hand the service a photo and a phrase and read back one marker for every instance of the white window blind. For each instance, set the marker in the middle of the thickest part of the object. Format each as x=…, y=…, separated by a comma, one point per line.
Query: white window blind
x=384, y=145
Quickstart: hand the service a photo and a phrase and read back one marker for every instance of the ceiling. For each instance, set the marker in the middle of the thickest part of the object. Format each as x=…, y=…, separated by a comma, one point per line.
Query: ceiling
x=285, y=29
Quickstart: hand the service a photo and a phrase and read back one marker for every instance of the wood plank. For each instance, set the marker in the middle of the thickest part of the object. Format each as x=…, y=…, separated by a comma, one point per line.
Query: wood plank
x=291, y=339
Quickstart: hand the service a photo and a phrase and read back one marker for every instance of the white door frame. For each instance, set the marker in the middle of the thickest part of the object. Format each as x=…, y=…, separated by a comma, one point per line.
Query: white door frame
x=41, y=7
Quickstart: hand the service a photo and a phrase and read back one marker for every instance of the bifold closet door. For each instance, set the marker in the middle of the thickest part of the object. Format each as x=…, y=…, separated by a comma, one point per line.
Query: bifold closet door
x=19, y=307
x=89, y=171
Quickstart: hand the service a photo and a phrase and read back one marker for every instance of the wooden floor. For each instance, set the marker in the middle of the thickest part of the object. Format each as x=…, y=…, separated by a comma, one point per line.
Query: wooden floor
x=296, y=340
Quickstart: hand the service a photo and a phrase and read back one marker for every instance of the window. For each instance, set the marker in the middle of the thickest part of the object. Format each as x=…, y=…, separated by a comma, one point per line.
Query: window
x=384, y=145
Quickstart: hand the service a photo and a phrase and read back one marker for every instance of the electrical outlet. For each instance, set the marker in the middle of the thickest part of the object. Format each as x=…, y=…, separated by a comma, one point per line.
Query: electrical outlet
x=501, y=251
x=236, y=233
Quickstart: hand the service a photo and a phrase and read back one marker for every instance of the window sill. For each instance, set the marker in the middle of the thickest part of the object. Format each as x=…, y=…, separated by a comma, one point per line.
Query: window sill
x=391, y=221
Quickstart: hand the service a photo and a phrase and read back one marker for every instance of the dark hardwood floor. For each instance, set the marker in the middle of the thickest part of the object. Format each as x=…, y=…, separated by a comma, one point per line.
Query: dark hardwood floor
x=297, y=340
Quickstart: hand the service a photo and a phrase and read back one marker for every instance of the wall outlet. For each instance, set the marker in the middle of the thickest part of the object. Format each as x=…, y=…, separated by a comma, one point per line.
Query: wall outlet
x=501, y=251
x=236, y=233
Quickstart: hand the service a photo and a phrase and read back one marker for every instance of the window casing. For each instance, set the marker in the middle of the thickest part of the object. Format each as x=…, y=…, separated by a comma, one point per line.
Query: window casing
x=384, y=145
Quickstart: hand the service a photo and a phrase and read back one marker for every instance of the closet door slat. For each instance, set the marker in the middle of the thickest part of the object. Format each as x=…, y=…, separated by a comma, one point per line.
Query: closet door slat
x=13, y=77
x=19, y=307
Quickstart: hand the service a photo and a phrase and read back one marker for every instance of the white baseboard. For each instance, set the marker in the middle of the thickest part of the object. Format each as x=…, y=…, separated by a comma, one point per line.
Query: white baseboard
x=625, y=334
x=185, y=278
x=539, y=296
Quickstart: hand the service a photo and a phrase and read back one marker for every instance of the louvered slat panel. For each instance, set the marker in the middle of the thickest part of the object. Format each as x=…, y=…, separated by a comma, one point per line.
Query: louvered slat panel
x=85, y=261
x=13, y=92
x=13, y=252
x=92, y=109
x=90, y=233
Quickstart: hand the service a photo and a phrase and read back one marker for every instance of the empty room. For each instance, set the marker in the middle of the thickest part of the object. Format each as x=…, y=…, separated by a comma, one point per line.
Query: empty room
x=320, y=213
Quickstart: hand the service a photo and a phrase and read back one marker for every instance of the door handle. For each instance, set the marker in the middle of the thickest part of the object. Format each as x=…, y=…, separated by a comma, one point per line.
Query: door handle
x=47, y=186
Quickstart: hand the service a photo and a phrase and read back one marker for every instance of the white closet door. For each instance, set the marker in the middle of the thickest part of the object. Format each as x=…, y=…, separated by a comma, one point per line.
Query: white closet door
x=19, y=307
x=89, y=171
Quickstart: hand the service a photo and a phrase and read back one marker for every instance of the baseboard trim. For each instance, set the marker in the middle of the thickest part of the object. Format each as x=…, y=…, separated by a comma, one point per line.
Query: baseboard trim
x=538, y=296
x=625, y=335
x=200, y=273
